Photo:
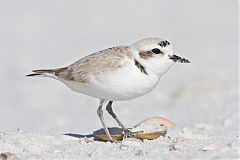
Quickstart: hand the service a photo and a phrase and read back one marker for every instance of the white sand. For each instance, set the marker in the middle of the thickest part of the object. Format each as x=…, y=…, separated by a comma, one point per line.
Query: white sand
x=180, y=144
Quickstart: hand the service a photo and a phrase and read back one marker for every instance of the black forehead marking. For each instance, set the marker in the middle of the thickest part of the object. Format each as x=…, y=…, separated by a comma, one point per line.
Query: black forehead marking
x=164, y=43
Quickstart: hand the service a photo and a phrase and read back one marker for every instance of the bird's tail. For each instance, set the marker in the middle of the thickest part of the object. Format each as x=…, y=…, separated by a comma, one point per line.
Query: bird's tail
x=53, y=73
x=43, y=72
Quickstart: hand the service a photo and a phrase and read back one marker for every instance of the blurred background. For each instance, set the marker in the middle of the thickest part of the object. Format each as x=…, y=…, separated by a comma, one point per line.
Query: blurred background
x=55, y=33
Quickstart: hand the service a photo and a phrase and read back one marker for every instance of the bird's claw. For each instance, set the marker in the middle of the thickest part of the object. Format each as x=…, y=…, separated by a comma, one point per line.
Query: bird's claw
x=129, y=134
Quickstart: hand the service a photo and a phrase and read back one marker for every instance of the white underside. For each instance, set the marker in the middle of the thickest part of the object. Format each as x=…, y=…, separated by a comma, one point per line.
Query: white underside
x=124, y=83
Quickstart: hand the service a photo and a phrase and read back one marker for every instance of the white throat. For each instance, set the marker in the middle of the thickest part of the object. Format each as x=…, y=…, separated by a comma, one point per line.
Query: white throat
x=156, y=67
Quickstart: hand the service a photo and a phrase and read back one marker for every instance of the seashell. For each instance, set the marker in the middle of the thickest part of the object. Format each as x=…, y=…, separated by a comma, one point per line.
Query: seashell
x=150, y=135
x=156, y=121
x=149, y=129
x=116, y=133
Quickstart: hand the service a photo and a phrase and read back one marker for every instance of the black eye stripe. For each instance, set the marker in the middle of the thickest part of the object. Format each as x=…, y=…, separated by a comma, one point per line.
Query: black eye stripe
x=156, y=51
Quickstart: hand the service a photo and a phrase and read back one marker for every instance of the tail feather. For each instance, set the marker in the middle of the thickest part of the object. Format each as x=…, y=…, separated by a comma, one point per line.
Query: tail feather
x=42, y=72
x=33, y=74
x=47, y=72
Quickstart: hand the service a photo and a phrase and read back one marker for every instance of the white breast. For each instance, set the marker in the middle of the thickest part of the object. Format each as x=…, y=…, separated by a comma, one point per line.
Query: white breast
x=124, y=83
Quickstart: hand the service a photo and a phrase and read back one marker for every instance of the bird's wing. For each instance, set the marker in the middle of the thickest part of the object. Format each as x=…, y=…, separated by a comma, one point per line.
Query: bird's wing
x=102, y=61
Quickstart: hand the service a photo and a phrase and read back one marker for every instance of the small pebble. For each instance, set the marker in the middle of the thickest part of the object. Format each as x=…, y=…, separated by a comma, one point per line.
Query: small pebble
x=209, y=147
x=177, y=144
x=2, y=134
x=86, y=140
x=139, y=153
x=203, y=127
x=7, y=156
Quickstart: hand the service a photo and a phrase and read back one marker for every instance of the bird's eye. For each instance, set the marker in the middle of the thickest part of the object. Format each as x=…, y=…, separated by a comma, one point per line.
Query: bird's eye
x=156, y=51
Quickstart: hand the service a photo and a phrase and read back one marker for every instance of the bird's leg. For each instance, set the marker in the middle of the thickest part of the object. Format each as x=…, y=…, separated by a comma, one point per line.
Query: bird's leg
x=100, y=115
x=127, y=132
x=110, y=111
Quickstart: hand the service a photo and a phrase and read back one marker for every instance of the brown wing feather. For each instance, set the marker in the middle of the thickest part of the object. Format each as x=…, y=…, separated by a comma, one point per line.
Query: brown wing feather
x=98, y=62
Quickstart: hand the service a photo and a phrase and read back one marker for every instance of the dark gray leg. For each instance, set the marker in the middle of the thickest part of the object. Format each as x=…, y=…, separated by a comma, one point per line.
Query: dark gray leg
x=100, y=115
x=110, y=111
x=127, y=133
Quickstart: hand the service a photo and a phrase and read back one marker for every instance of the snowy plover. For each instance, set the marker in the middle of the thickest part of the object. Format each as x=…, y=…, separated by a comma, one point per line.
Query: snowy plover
x=118, y=73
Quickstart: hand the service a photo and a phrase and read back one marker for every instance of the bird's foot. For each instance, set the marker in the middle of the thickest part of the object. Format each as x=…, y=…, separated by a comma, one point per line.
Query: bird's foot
x=129, y=134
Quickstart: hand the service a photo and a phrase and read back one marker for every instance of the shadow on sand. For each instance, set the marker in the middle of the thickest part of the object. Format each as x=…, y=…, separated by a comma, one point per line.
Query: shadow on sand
x=80, y=135
x=113, y=131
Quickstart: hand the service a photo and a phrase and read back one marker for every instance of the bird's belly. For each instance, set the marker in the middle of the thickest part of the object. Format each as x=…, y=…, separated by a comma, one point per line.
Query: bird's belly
x=124, y=83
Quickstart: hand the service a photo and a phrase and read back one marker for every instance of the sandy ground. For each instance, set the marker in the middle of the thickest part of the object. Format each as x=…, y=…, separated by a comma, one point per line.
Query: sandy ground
x=187, y=143
x=202, y=98
x=215, y=137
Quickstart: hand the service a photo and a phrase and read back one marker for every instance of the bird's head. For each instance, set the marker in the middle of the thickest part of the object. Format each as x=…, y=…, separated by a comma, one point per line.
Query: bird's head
x=155, y=54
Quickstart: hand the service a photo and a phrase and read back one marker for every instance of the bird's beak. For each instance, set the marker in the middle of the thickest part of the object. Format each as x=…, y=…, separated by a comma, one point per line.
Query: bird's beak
x=176, y=58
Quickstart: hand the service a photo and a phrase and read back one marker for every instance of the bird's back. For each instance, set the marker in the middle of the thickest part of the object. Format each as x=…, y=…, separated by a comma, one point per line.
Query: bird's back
x=99, y=62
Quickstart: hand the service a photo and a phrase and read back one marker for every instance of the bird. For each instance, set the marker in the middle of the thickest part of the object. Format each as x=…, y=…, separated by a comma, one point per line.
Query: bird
x=118, y=73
